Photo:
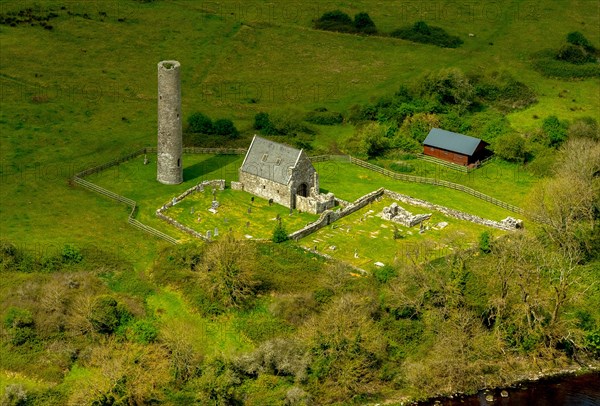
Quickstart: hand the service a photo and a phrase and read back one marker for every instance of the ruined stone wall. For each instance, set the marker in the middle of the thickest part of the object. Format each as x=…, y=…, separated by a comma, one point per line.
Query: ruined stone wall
x=457, y=214
x=217, y=184
x=265, y=188
x=170, y=141
x=329, y=216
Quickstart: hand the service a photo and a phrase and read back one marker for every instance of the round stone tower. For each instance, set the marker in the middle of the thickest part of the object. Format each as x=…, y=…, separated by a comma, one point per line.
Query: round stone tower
x=170, y=144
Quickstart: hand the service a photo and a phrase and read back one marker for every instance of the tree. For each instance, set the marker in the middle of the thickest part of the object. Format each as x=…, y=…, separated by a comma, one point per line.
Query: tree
x=262, y=122
x=279, y=233
x=577, y=38
x=226, y=127
x=555, y=130
x=449, y=87
x=364, y=24
x=510, y=147
x=373, y=139
x=228, y=271
x=200, y=123
x=335, y=21
x=107, y=314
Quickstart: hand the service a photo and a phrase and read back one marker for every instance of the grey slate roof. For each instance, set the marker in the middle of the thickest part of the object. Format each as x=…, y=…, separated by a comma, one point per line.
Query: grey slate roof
x=270, y=160
x=463, y=144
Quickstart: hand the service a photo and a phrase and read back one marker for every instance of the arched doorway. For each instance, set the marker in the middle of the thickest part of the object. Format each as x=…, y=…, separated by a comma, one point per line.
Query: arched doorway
x=302, y=190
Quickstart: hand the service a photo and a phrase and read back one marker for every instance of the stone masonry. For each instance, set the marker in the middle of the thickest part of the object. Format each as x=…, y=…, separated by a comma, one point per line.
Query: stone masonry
x=170, y=142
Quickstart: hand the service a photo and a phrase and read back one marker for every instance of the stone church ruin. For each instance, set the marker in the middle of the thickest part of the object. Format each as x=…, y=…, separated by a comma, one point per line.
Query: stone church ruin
x=284, y=174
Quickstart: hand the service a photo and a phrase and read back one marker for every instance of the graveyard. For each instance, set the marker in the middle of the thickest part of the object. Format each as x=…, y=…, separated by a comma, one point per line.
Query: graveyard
x=238, y=212
x=365, y=240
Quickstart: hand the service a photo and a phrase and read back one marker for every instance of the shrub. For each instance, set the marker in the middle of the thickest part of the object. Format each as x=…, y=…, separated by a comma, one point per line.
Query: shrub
x=279, y=233
x=71, y=255
x=335, y=21
x=14, y=395
x=546, y=63
x=385, y=273
x=200, y=123
x=226, y=127
x=592, y=342
x=20, y=325
x=555, y=130
x=577, y=38
x=324, y=117
x=574, y=54
x=144, y=332
x=263, y=123
x=423, y=33
x=107, y=315
x=364, y=24
x=485, y=242
x=510, y=147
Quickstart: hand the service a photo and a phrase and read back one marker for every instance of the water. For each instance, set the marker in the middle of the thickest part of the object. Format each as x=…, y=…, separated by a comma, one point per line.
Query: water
x=581, y=390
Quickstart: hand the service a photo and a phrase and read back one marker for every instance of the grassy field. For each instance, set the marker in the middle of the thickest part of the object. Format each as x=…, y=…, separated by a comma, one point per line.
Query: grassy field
x=364, y=238
x=83, y=93
x=232, y=214
x=349, y=182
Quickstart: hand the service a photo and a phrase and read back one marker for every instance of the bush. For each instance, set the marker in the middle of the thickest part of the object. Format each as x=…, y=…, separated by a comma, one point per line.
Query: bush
x=364, y=24
x=14, y=395
x=335, y=21
x=324, y=117
x=262, y=123
x=226, y=127
x=384, y=274
x=71, y=255
x=510, y=147
x=107, y=315
x=574, y=54
x=279, y=234
x=577, y=38
x=546, y=63
x=20, y=325
x=555, y=130
x=200, y=123
x=485, y=242
x=425, y=34
x=144, y=332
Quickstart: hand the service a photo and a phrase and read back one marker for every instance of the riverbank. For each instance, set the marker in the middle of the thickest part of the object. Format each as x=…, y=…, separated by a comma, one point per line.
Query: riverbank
x=584, y=379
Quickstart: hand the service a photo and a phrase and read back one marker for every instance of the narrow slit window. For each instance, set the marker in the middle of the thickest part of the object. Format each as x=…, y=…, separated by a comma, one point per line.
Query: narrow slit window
x=264, y=157
x=278, y=162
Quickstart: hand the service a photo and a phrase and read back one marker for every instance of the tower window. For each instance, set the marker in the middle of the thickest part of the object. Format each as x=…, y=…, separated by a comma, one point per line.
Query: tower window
x=179, y=162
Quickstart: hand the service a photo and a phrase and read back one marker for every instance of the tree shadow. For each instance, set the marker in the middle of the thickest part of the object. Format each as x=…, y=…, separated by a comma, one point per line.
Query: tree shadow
x=212, y=168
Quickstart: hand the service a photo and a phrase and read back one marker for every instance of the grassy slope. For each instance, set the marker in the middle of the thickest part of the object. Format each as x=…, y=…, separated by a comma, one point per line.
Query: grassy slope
x=101, y=88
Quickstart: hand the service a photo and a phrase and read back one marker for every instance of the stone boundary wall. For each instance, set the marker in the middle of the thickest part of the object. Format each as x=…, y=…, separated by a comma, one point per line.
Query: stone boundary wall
x=447, y=211
x=329, y=216
x=219, y=183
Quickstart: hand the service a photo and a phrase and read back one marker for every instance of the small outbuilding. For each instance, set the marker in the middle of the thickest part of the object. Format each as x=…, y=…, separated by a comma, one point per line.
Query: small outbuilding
x=454, y=147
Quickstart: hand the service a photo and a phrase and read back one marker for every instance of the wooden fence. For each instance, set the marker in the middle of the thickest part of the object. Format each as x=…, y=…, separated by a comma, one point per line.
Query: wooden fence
x=437, y=182
x=131, y=203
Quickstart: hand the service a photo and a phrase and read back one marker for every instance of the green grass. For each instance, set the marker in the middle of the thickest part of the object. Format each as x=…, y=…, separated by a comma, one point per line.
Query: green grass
x=210, y=336
x=371, y=238
x=503, y=180
x=349, y=182
x=232, y=214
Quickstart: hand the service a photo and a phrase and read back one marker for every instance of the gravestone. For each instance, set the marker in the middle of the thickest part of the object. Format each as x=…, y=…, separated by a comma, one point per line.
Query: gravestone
x=174, y=201
x=208, y=235
x=216, y=231
x=192, y=210
x=249, y=210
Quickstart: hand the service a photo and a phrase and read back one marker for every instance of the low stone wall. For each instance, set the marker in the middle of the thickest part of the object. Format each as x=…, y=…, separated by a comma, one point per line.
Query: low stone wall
x=218, y=183
x=237, y=185
x=448, y=211
x=329, y=216
x=180, y=226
